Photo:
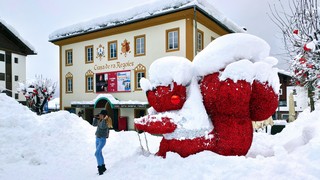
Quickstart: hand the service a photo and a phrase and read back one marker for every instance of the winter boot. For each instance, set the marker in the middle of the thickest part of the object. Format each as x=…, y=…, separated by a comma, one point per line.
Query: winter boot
x=100, y=170
x=103, y=168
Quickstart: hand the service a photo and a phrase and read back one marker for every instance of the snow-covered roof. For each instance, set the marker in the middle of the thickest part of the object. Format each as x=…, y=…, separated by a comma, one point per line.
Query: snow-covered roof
x=284, y=72
x=150, y=9
x=15, y=33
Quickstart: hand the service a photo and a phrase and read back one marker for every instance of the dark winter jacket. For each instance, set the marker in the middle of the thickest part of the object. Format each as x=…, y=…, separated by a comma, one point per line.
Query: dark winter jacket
x=102, y=128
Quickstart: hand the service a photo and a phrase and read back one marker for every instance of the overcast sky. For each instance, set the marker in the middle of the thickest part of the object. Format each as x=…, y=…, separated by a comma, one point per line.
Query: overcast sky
x=36, y=19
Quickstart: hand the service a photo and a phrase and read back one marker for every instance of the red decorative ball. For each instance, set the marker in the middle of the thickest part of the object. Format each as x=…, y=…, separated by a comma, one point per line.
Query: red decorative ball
x=310, y=66
x=302, y=60
x=296, y=31
x=306, y=48
x=175, y=99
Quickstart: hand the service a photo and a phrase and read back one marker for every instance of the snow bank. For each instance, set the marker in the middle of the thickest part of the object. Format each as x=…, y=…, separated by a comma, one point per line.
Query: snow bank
x=61, y=146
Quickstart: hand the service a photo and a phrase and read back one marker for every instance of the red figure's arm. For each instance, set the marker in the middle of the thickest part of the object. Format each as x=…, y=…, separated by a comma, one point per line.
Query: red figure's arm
x=264, y=101
x=155, y=125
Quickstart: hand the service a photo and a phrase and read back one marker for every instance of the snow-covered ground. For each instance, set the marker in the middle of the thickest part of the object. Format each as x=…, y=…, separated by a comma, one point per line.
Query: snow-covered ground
x=61, y=146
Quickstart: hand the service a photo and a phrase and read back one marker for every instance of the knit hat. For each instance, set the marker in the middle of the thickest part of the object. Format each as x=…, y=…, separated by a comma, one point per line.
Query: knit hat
x=103, y=112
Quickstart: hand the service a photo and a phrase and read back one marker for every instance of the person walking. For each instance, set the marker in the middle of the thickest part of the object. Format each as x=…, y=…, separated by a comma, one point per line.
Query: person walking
x=102, y=133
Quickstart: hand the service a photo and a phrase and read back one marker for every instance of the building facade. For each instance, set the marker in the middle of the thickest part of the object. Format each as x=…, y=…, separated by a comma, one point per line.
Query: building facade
x=101, y=69
x=13, y=53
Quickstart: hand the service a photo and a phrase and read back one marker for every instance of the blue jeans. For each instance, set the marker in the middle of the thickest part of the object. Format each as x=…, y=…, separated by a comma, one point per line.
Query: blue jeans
x=100, y=142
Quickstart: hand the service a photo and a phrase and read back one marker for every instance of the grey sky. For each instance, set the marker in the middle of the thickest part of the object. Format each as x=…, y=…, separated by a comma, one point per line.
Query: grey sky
x=36, y=19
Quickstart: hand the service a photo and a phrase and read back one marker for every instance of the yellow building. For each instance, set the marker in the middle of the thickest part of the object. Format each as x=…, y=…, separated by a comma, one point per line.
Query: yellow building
x=102, y=61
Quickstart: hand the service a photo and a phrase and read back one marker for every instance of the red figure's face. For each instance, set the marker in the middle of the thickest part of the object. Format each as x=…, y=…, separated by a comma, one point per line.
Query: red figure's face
x=166, y=98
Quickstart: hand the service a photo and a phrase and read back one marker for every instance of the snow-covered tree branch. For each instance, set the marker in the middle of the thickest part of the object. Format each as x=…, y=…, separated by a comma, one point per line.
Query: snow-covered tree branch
x=300, y=28
x=38, y=92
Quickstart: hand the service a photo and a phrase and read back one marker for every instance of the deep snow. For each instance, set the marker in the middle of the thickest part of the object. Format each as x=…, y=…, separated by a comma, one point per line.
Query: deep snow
x=60, y=145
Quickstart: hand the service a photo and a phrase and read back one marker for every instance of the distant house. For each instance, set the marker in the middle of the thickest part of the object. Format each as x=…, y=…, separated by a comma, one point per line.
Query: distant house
x=13, y=53
x=102, y=60
x=299, y=94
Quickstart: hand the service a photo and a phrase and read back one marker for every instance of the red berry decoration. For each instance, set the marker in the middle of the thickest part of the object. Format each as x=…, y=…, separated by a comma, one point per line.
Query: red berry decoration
x=296, y=31
x=302, y=60
x=306, y=48
x=310, y=66
x=175, y=99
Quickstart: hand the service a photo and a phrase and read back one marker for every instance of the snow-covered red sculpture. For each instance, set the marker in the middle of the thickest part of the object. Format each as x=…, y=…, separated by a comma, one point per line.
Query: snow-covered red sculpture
x=210, y=103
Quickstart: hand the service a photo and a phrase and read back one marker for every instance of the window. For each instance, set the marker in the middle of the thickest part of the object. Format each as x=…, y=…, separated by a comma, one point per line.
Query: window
x=112, y=55
x=89, y=81
x=2, y=77
x=69, y=57
x=139, y=72
x=2, y=57
x=16, y=60
x=89, y=54
x=16, y=96
x=139, y=45
x=16, y=78
x=69, y=83
x=172, y=38
x=199, y=40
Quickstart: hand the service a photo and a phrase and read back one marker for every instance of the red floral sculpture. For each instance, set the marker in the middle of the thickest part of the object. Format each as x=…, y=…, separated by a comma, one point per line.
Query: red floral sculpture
x=230, y=103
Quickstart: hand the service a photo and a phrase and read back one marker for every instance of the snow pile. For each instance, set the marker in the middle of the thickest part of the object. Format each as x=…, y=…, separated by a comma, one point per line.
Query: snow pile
x=141, y=12
x=162, y=73
x=54, y=103
x=228, y=49
x=242, y=56
x=61, y=146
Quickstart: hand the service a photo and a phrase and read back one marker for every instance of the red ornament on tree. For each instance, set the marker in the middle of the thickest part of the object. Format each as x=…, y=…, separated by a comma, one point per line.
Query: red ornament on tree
x=175, y=99
x=296, y=31
x=302, y=60
x=306, y=48
x=310, y=66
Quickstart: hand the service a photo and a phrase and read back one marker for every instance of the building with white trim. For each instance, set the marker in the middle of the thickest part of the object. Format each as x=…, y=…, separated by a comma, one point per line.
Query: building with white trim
x=13, y=53
x=102, y=60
